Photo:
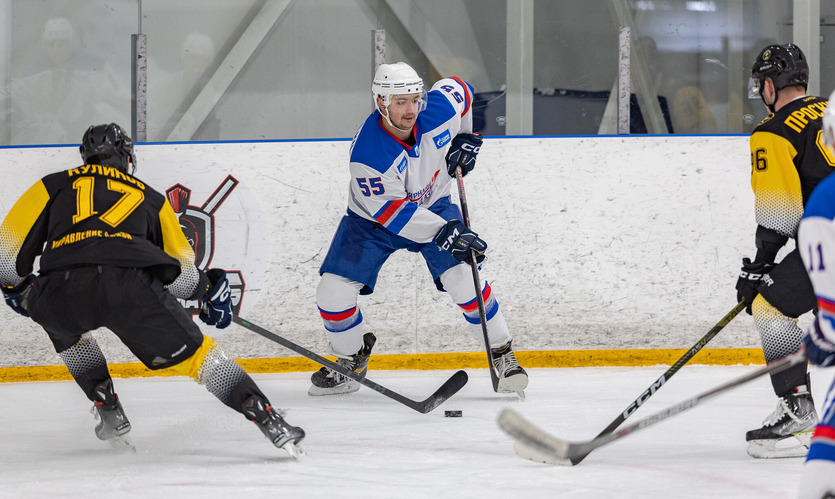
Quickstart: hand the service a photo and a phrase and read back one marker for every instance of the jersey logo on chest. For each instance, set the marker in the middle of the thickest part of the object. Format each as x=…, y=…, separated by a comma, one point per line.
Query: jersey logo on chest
x=442, y=139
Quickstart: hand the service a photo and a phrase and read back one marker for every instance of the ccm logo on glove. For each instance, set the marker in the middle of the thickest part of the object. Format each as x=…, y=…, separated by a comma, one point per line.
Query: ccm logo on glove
x=456, y=238
x=217, y=303
x=462, y=152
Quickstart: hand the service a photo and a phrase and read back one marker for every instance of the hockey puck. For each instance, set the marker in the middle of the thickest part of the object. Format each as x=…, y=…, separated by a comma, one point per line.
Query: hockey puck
x=453, y=414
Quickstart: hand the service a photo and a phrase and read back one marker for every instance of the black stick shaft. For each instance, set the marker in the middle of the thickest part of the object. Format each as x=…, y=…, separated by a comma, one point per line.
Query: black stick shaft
x=538, y=445
x=631, y=408
x=462, y=196
x=774, y=367
x=674, y=368
x=447, y=390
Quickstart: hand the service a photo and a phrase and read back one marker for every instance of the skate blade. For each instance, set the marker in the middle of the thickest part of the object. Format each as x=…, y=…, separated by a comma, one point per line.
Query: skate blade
x=514, y=384
x=350, y=387
x=296, y=451
x=121, y=443
x=793, y=446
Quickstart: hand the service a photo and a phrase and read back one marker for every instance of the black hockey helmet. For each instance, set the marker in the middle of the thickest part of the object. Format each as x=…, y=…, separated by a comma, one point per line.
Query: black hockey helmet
x=784, y=64
x=108, y=145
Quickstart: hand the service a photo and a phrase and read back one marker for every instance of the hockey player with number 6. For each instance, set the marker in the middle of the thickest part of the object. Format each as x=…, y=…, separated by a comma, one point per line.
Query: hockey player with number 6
x=113, y=255
x=402, y=161
x=816, y=241
x=788, y=160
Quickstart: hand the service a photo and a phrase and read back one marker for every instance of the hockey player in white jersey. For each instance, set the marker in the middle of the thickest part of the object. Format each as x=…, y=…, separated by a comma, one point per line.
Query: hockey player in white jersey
x=402, y=160
x=816, y=241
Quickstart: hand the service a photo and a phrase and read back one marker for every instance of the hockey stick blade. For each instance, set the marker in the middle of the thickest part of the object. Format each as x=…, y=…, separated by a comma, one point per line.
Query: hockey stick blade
x=446, y=390
x=535, y=444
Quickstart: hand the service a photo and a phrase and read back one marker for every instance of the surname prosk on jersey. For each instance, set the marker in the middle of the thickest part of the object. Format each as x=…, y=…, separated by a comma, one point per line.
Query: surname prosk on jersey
x=800, y=118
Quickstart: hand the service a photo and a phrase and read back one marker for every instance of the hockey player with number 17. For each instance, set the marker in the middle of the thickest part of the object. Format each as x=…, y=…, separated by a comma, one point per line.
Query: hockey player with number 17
x=113, y=255
x=402, y=161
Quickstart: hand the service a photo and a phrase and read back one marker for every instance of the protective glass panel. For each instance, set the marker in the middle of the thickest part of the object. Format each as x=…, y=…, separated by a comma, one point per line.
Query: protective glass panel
x=290, y=69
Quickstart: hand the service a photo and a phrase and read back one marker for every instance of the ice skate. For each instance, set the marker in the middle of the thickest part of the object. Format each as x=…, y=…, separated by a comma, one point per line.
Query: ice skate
x=112, y=423
x=274, y=427
x=512, y=378
x=788, y=430
x=326, y=381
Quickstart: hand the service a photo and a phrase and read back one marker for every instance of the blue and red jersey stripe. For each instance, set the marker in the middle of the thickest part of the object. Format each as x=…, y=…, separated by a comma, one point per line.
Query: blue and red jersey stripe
x=395, y=214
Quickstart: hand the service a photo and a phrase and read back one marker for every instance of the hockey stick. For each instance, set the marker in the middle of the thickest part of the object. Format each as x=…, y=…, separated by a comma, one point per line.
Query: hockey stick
x=537, y=445
x=462, y=196
x=658, y=383
x=447, y=390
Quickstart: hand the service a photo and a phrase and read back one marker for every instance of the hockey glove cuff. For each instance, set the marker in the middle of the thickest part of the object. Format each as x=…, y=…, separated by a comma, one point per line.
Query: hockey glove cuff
x=217, y=302
x=17, y=297
x=462, y=152
x=819, y=350
x=750, y=279
x=456, y=238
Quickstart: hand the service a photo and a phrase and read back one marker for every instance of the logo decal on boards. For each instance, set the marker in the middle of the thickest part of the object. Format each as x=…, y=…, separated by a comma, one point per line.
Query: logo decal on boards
x=198, y=225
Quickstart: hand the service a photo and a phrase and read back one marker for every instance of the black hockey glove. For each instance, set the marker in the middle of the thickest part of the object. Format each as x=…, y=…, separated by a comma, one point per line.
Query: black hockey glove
x=462, y=152
x=17, y=297
x=217, y=302
x=456, y=238
x=750, y=278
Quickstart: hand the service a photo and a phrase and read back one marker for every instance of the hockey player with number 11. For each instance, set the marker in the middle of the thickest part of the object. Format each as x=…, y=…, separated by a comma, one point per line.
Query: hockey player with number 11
x=816, y=241
x=402, y=161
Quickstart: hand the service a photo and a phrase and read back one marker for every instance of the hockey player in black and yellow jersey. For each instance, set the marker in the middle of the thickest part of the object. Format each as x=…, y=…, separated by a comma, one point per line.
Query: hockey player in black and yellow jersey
x=788, y=159
x=113, y=255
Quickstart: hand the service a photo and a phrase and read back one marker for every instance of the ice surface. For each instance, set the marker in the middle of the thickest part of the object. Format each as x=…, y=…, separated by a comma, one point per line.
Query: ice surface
x=366, y=445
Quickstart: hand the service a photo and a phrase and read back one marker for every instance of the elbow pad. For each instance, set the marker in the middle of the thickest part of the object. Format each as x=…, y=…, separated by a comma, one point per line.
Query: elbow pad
x=202, y=287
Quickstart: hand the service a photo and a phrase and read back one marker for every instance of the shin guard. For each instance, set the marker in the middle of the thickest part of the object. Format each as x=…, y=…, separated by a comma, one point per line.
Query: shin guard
x=223, y=377
x=780, y=336
x=87, y=365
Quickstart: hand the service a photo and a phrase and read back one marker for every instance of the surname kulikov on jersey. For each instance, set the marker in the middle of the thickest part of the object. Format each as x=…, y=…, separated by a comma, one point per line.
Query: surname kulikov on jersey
x=97, y=215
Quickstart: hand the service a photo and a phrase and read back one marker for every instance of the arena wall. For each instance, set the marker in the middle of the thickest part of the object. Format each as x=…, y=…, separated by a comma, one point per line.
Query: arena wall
x=595, y=243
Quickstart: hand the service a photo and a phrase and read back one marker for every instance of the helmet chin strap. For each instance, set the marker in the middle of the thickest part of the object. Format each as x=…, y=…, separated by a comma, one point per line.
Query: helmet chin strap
x=386, y=116
x=770, y=106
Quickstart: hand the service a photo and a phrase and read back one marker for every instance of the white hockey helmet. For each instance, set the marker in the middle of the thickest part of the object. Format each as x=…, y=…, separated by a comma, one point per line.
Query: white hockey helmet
x=397, y=79
x=829, y=124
